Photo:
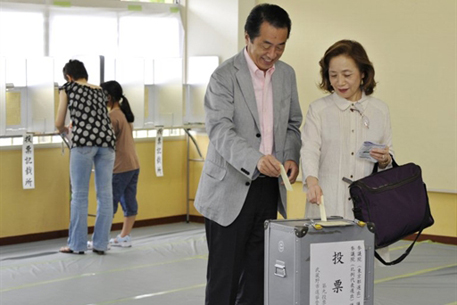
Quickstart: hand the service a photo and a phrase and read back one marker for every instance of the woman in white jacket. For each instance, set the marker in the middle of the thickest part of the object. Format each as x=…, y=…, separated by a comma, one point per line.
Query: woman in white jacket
x=337, y=125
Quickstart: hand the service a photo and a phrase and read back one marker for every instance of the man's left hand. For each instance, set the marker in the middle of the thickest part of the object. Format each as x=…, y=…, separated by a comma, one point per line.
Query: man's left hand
x=292, y=170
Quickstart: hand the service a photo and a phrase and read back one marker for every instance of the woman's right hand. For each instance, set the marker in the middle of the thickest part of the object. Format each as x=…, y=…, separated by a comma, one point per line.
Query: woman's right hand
x=314, y=193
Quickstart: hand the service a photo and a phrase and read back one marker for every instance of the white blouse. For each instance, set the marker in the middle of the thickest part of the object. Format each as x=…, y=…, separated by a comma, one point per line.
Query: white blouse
x=331, y=137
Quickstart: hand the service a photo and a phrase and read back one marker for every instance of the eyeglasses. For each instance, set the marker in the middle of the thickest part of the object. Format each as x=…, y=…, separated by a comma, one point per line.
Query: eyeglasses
x=365, y=120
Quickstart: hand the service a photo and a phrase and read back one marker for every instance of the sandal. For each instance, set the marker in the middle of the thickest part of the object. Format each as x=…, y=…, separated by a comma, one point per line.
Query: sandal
x=69, y=251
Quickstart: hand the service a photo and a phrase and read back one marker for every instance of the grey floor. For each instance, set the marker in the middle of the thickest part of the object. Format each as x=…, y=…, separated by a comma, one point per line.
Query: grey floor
x=167, y=265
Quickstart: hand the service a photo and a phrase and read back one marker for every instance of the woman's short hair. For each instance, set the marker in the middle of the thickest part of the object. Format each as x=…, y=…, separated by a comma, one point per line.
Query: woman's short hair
x=271, y=13
x=75, y=69
x=354, y=50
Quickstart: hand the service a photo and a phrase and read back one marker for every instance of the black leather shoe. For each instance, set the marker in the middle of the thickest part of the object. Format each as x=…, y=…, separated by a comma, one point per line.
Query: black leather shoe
x=99, y=252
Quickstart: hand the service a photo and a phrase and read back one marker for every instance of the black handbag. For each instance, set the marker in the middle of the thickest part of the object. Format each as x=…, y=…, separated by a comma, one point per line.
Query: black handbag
x=396, y=202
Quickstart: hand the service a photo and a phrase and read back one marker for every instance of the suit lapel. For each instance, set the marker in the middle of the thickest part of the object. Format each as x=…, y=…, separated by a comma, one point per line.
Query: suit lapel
x=243, y=77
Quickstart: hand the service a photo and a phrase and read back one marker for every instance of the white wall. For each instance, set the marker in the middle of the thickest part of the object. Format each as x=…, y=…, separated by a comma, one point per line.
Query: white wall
x=212, y=28
x=244, y=8
x=412, y=44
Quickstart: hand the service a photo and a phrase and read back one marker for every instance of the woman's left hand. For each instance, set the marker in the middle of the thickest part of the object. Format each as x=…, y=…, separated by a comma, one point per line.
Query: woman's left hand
x=382, y=156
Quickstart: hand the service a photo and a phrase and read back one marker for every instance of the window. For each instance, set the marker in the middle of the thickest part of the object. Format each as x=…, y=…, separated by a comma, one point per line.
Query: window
x=79, y=31
x=156, y=1
x=21, y=33
x=150, y=31
x=140, y=36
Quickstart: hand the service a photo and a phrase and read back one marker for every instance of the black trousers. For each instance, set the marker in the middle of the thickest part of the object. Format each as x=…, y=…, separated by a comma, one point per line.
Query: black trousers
x=235, y=273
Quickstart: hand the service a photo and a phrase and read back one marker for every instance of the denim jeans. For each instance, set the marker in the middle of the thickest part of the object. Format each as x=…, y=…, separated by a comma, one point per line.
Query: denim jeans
x=82, y=159
x=124, y=191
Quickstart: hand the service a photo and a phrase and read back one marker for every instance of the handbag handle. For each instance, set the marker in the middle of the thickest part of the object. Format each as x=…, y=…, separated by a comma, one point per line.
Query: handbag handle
x=404, y=255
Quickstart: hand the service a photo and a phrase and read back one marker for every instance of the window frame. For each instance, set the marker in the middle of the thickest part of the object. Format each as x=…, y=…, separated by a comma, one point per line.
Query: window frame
x=119, y=7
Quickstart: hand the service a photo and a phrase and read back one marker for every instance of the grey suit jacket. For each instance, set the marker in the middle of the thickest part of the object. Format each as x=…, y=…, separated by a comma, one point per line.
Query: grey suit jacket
x=232, y=124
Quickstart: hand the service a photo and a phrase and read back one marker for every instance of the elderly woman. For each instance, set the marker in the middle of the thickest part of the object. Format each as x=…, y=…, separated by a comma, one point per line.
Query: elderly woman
x=337, y=125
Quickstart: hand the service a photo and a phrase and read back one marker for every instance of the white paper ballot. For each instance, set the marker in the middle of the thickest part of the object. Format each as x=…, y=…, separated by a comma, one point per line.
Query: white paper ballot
x=285, y=179
x=322, y=208
x=331, y=223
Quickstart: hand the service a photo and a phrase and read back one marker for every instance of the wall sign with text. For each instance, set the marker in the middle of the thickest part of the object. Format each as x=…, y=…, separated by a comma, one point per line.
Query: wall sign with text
x=28, y=162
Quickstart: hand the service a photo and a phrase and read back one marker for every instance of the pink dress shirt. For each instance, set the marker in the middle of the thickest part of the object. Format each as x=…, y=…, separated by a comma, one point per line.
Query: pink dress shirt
x=263, y=89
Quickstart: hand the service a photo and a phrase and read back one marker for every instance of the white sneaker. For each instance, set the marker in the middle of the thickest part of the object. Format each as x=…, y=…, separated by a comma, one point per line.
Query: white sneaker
x=119, y=241
x=90, y=245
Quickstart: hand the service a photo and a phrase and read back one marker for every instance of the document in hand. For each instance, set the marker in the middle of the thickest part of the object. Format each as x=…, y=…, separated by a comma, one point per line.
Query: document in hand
x=367, y=146
x=285, y=179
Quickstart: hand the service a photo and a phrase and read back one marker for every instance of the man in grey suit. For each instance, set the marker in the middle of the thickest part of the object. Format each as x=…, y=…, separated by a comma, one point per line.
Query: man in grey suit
x=253, y=120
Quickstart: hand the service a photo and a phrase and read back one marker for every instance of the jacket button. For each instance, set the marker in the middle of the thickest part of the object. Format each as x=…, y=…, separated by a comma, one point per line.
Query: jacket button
x=258, y=135
x=247, y=183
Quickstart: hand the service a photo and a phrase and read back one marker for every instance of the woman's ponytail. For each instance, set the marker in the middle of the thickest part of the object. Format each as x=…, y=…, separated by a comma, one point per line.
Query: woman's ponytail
x=114, y=89
x=125, y=107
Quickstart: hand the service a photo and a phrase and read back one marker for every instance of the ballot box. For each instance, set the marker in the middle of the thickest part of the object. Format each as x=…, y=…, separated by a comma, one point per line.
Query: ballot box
x=313, y=262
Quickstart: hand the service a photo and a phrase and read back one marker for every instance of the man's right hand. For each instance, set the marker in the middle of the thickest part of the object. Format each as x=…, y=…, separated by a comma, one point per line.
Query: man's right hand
x=269, y=166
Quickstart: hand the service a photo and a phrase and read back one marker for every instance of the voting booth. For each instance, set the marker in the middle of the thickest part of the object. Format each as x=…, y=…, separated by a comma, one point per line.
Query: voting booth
x=27, y=96
x=319, y=263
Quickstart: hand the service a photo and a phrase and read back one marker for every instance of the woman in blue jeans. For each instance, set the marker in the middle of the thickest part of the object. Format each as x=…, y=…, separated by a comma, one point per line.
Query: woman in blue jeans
x=92, y=146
